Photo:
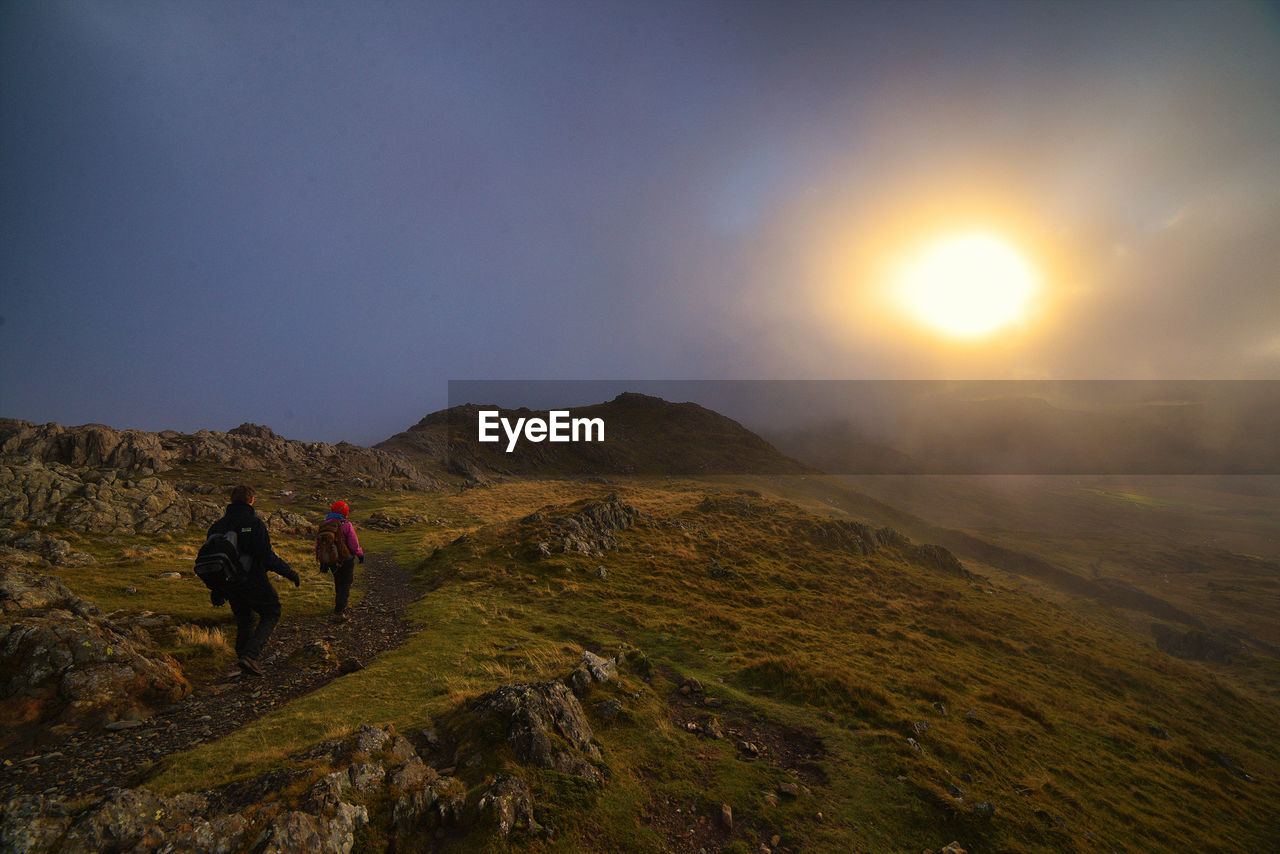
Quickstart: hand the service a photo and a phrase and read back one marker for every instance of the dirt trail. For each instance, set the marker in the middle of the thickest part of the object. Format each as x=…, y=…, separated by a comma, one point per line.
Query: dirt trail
x=90, y=762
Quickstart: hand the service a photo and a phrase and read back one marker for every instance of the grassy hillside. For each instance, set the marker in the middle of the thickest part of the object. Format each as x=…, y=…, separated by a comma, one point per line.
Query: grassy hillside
x=868, y=694
x=1209, y=547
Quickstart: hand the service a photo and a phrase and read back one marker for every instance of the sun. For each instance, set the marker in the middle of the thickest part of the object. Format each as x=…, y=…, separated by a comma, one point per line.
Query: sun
x=966, y=285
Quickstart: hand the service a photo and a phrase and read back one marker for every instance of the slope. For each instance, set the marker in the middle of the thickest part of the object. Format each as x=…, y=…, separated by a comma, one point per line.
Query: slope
x=643, y=435
x=834, y=685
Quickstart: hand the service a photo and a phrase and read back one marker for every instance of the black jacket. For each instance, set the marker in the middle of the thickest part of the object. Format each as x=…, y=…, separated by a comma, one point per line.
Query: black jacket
x=251, y=539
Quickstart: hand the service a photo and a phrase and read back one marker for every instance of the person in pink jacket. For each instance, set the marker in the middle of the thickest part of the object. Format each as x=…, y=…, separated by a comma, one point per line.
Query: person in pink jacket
x=341, y=557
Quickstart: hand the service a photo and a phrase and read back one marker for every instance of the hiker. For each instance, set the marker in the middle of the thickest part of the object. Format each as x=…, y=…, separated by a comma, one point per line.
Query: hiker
x=337, y=550
x=254, y=594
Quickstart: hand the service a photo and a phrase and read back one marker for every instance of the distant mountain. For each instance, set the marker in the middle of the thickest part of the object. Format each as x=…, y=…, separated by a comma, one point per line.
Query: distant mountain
x=1030, y=435
x=643, y=435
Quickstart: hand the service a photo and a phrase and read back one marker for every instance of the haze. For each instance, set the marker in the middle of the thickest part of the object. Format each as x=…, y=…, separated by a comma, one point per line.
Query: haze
x=313, y=215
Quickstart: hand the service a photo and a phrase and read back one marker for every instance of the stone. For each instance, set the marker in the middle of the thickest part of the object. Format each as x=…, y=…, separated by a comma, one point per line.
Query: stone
x=367, y=776
x=327, y=792
x=790, y=790
x=30, y=824
x=726, y=817
x=601, y=670
x=65, y=665
x=545, y=726
x=508, y=802
x=224, y=834
x=402, y=749
x=580, y=681
x=370, y=739
x=412, y=774
x=125, y=818
x=437, y=803
x=296, y=832
x=608, y=710
x=317, y=653
x=24, y=590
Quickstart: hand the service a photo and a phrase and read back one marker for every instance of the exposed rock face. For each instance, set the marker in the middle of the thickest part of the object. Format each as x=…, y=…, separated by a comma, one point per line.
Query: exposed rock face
x=510, y=803
x=864, y=540
x=589, y=530
x=101, y=480
x=22, y=590
x=132, y=452
x=545, y=726
x=64, y=664
x=48, y=493
x=31, y=824
x=297, y=832
x=543, y=723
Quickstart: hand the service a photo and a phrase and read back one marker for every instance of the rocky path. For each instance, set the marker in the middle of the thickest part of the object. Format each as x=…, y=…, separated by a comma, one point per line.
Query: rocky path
x=88, y=763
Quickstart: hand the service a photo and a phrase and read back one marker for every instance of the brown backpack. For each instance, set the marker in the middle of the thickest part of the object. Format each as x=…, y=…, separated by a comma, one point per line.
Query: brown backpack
x=331, y=546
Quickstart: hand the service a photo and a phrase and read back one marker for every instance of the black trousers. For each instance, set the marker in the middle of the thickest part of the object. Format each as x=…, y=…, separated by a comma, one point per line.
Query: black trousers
x=256, y=598
x=343, y=577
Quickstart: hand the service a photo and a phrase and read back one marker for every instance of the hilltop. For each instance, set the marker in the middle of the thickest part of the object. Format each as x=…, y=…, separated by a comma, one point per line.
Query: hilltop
x=675, y=663
x=644, y=435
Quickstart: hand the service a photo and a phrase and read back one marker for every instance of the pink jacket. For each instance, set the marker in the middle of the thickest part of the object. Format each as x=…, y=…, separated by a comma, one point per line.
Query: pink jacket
x=348, y=535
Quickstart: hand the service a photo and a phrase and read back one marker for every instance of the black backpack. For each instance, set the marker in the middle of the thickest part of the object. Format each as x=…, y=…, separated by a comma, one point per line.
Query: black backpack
x=219, y=562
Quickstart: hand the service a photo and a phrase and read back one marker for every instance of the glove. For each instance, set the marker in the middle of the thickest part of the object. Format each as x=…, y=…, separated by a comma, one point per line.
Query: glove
x=324, y=567
x=293, y=576
x=360, y=558
x=216, y=599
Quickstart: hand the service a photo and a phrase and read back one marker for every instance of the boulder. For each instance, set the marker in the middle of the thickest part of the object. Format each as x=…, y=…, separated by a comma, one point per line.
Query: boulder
x=125, y=819
x=545, y=726
x=318, y=653
x=224, y=834
x=31, y=824
x=412, y=774
x=436, y=803
x=62, y=662
x=508, y=803
x=24, y=590
x=296, y=832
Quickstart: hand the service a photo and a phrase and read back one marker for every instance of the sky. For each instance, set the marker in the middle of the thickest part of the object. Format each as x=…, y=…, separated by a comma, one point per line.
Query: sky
x=313, y=215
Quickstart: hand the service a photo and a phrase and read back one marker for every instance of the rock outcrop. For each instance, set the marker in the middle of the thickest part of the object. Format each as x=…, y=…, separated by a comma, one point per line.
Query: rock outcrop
x=589, y=530
x=63, y=663
x=100, y=480
x=373, y=774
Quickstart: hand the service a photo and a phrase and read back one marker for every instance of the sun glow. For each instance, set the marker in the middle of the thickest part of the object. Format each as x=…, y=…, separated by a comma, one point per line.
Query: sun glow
x=966, y=285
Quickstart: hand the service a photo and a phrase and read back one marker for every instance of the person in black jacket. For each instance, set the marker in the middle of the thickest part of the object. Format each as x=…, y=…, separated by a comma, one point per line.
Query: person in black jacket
x=255, y=594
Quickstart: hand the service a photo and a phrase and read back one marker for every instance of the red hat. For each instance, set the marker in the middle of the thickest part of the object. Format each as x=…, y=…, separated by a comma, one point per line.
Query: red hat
x=340, y=507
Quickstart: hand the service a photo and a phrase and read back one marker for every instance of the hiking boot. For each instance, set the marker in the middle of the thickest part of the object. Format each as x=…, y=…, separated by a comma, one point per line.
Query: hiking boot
x=339, y=618
x=249, y=666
